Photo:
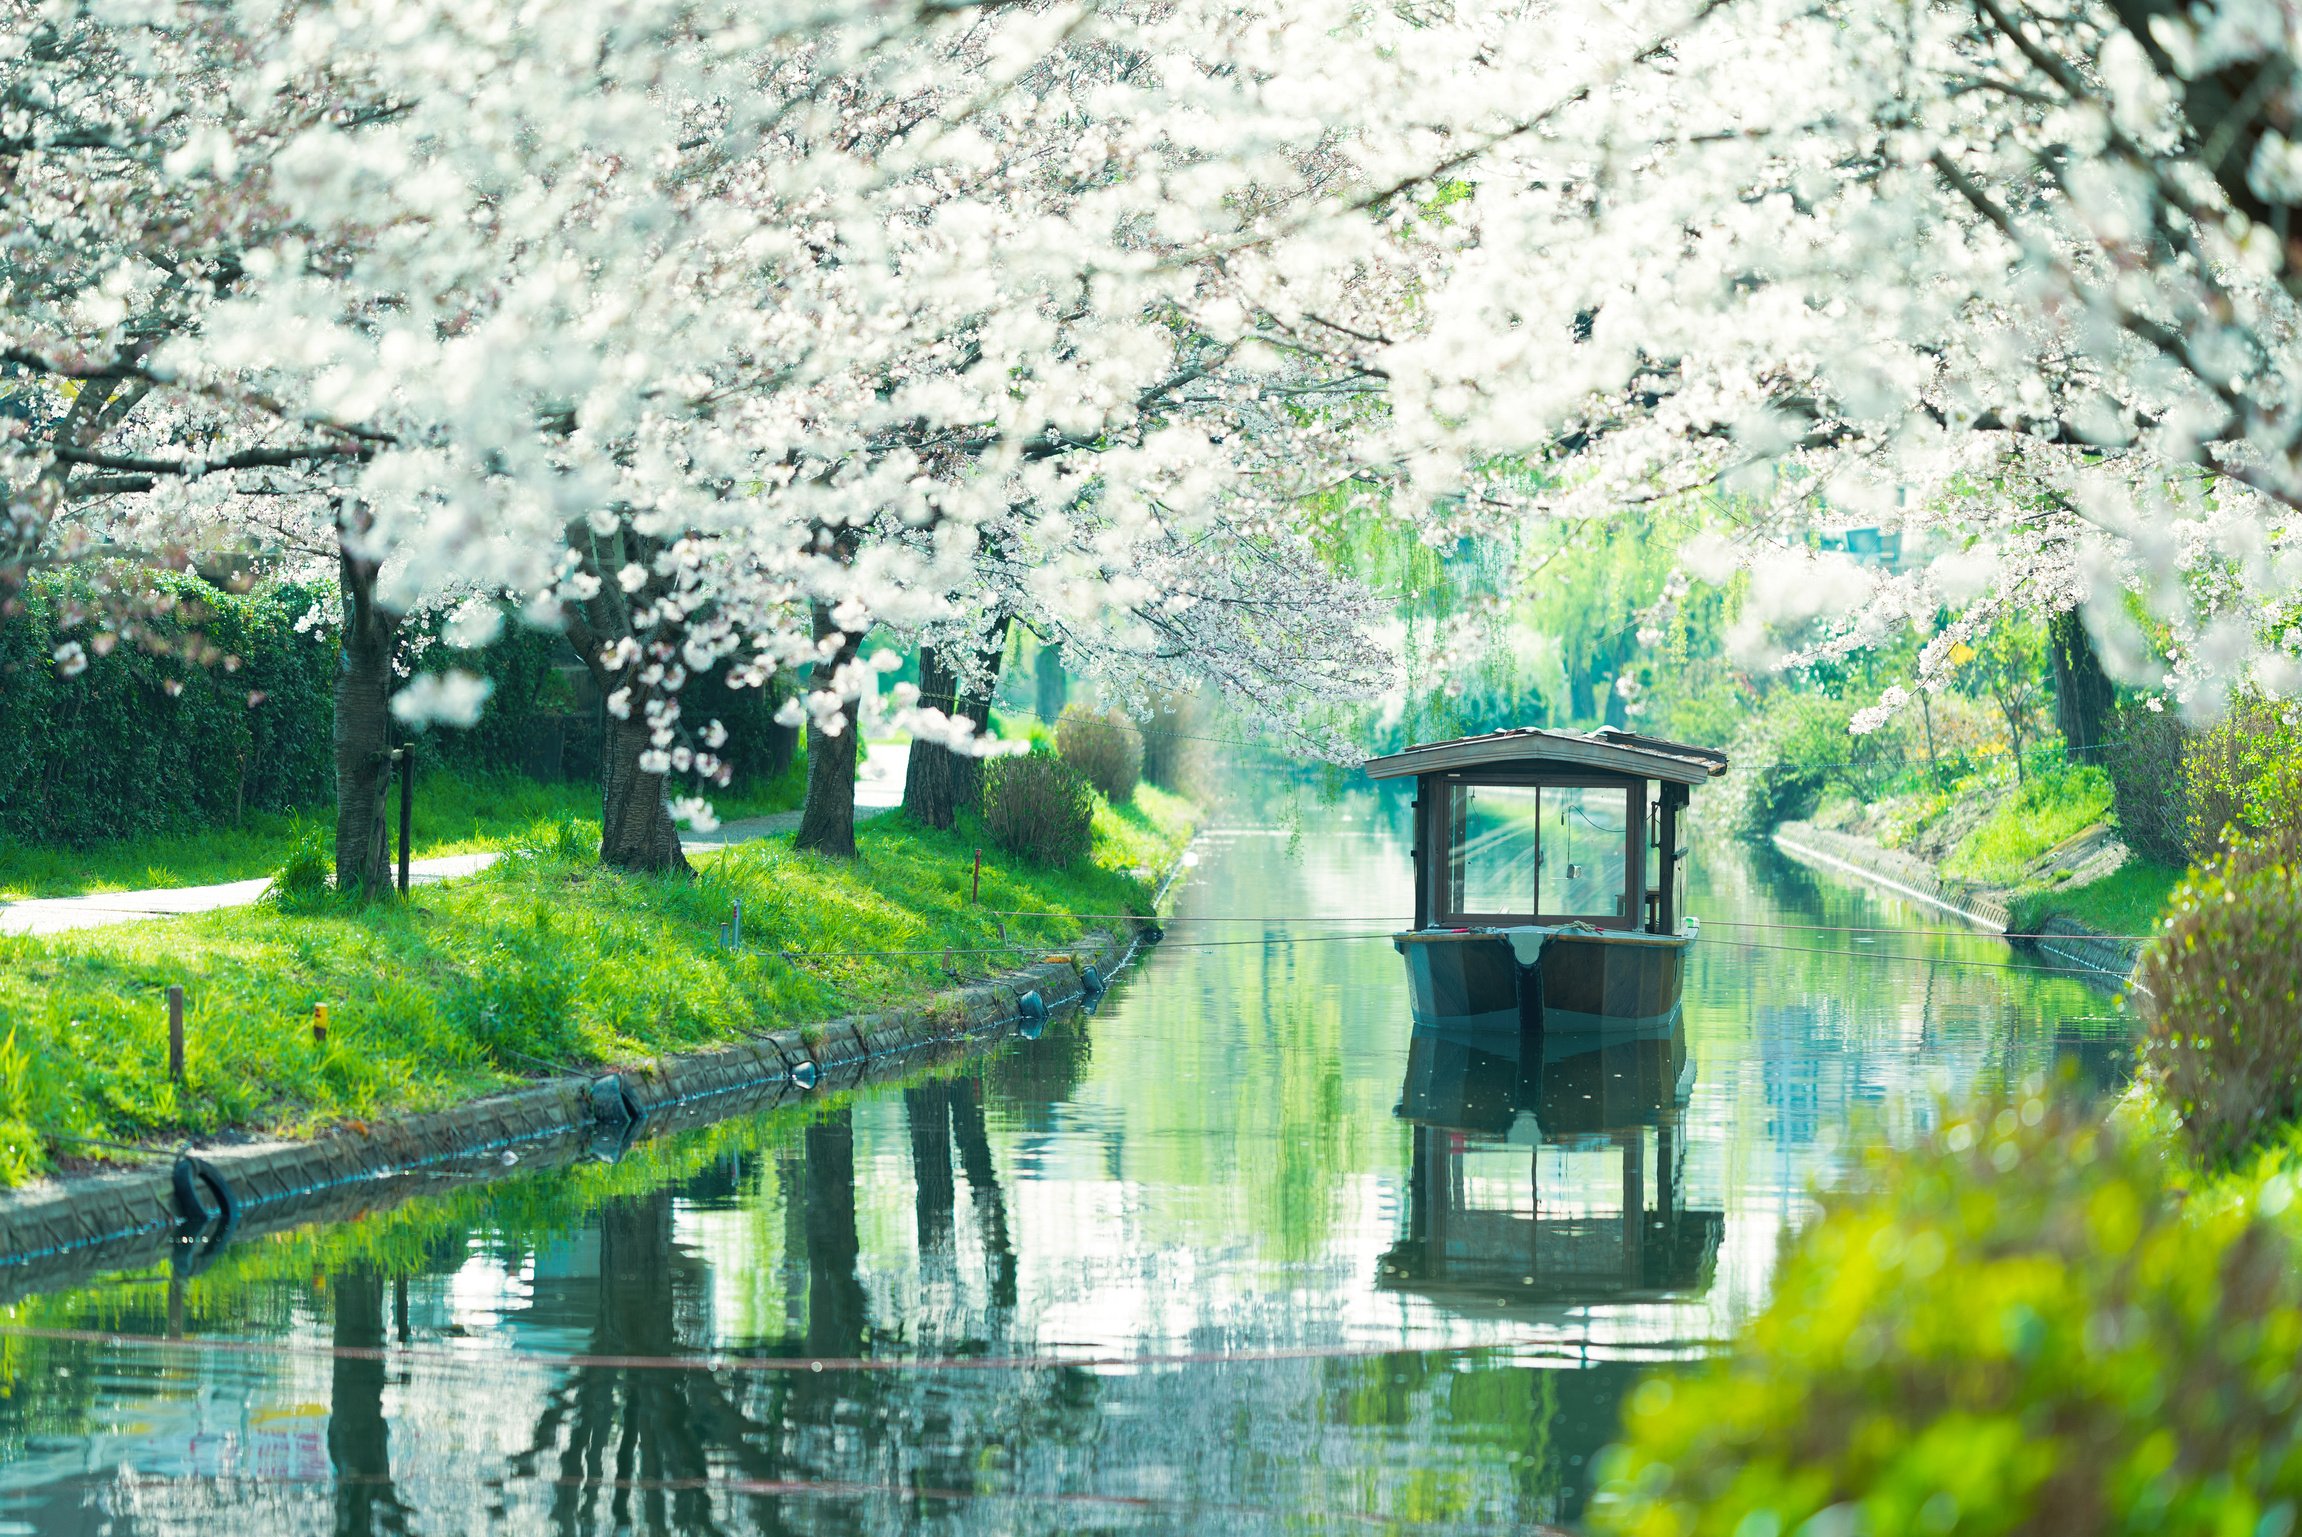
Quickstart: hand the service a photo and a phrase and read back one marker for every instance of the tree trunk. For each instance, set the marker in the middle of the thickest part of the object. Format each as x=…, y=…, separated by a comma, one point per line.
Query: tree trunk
x=827, y=816
x=2083, y=695
x=363, y=732
x=990, y=1202
x=838, y=1307
x=782, y=741
x=967, y=772
x=359, y=1432
x=1050, y=684
x=929, y=777
x=636, y=831
x=927, y=1111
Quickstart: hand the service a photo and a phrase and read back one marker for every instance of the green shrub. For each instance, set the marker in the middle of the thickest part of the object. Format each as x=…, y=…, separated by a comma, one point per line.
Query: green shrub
x=2182, y=790
x=1104, y=746
x=226, y=708
x=1784, y=758
x=308, y=873
x=2225, y=979
x=2017, y=1329
x=1039, y=807
x=2244, y=776
x=2145, y=760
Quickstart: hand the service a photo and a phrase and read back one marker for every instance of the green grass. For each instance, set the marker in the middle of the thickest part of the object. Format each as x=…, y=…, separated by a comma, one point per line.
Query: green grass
x=2129, y=900
x=545, y=958
x=2054, y=804
x=454, y=814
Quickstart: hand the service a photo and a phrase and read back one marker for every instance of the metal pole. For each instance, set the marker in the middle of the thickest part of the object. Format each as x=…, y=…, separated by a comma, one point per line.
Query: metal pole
x=407, y=757
x=175, y=1035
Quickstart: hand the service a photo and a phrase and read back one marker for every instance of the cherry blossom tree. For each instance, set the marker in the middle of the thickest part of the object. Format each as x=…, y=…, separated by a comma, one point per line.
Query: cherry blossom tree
x=2015, y=280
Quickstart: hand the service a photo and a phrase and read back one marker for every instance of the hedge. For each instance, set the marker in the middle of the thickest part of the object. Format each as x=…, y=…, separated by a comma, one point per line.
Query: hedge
x=248, y=723
x=147, y=738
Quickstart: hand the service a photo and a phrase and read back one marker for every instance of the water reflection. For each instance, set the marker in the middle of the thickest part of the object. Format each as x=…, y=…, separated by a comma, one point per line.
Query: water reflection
x=1202, y=1261
x=1550, y=1171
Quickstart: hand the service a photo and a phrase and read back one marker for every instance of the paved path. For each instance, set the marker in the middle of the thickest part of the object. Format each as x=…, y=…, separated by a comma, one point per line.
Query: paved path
x=878, y=788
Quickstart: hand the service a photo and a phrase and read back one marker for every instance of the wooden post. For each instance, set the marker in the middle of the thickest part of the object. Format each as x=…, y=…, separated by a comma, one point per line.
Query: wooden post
x=976, y=895
x=407, y=759
x=1674, y=799
x=175, y=1035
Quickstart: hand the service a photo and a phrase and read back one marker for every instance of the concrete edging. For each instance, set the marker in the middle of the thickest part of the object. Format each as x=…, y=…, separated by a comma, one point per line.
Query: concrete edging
x=1907, y=875
x=63, y=1224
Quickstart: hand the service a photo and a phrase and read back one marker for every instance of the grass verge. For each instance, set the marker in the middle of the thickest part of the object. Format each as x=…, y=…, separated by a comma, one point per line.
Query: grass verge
x=455, y=813
x=2129, y=901
x=544, y=961
x=2051, y=806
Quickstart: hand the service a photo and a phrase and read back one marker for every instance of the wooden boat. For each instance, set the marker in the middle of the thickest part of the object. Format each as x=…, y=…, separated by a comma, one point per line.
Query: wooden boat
x=1548, y=878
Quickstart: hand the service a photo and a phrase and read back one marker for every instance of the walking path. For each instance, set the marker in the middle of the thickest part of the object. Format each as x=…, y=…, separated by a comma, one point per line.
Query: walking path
x=878, y=788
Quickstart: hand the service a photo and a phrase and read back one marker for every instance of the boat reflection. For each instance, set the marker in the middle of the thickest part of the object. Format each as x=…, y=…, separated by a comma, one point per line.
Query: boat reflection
x=1549, y=1170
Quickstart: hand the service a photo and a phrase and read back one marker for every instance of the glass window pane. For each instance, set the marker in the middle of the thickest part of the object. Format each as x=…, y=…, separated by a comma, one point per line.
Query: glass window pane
x=1584, y=840
x=1493, y=864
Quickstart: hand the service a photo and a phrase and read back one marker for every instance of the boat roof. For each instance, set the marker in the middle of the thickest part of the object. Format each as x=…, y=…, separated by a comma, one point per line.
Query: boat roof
x=1608, y=749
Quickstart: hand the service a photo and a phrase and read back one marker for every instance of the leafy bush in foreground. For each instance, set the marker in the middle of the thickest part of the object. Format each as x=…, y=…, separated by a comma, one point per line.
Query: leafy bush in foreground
x=2018, y=1329
x=1039, y=807
x=2226, y=979
x=1104, y=746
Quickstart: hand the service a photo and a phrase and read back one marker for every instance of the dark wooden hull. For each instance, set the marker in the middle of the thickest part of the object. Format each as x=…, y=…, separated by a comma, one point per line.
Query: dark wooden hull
x=1469, y=981
x=1570, y=1084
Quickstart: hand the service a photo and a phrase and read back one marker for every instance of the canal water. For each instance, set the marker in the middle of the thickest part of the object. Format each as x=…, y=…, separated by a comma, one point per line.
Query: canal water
x=1238, y=1254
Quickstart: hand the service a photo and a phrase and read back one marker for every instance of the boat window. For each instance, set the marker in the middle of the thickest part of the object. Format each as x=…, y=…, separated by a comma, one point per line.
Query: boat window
x=1584, y=840
x=1492, y=868
x=1559, y=851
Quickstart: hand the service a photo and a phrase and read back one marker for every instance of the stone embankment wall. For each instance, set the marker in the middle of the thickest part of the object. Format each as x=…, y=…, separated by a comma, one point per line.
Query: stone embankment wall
x=2062, y=941
x=62, y=1230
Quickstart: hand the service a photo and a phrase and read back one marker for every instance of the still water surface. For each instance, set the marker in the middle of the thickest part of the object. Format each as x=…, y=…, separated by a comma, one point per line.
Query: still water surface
x=1238, y=1255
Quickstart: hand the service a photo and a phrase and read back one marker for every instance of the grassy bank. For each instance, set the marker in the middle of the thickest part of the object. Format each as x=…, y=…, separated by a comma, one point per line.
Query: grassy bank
x=2046, y=842
x=456, y=812
x=545, y=960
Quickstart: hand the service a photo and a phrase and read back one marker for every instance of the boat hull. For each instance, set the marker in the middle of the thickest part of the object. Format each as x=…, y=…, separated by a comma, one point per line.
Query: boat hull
x=1471, y=982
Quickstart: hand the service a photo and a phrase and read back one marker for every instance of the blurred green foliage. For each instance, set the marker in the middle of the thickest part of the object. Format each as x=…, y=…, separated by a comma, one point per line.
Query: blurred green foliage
x=2017, y=1327
x=1104, y=746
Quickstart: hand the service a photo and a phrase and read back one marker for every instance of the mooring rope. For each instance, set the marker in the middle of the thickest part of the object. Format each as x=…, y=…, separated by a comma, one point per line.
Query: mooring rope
x=721, y=1362
x=842, y=1489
